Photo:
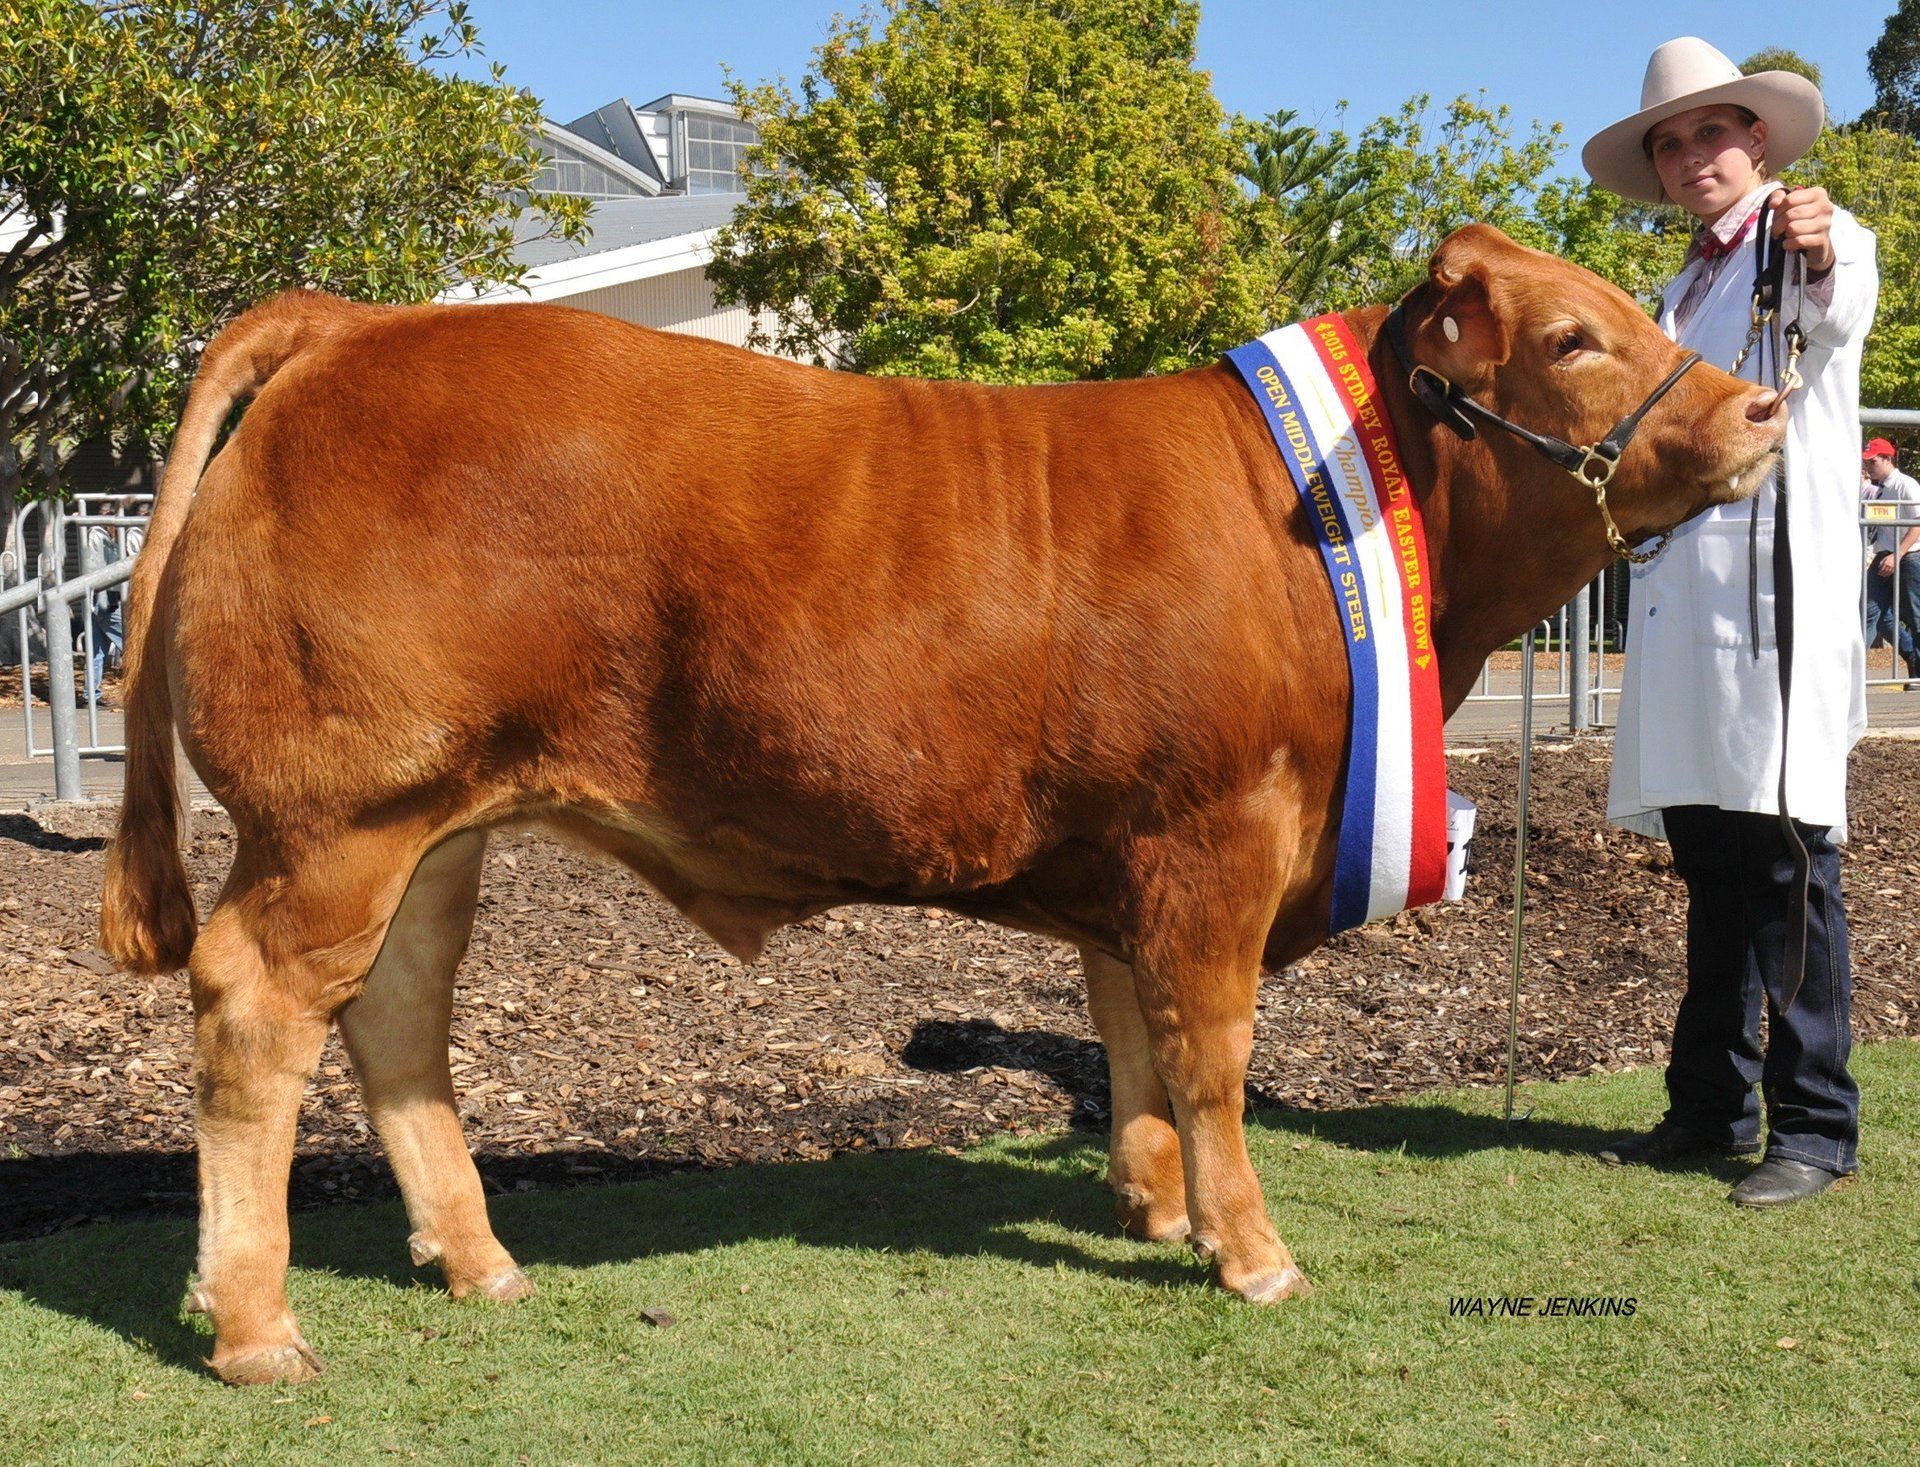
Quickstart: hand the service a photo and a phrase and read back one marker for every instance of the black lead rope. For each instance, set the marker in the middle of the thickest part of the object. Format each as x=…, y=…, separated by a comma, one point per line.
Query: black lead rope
x=1770, y=268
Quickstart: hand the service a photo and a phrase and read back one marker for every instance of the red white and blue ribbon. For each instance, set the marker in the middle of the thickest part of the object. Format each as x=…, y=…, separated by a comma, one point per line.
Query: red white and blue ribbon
x=1325, y=412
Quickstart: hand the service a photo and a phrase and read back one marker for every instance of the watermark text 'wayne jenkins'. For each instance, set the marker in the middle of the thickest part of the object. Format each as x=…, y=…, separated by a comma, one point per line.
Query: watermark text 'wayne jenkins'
x=1532, y=1306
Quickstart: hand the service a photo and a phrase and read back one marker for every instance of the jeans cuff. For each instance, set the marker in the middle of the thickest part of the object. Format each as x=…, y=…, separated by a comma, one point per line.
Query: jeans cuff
x=1743, y=1132
x=1830, y=1156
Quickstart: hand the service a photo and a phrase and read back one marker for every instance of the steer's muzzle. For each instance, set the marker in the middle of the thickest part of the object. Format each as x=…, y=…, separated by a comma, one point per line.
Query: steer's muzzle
x=1750, y=429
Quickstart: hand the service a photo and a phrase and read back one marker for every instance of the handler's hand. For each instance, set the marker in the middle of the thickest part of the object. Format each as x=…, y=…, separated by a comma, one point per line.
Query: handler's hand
x=1884, y=569
x=1802, y=221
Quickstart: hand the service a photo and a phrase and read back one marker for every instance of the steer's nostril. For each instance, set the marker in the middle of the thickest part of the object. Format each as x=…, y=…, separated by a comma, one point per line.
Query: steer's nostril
x=1762, y=406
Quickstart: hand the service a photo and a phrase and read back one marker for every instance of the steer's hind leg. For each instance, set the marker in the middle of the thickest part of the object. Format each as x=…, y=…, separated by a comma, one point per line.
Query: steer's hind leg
x=284, y=948
x=1143, y=1159
x=396, y=1033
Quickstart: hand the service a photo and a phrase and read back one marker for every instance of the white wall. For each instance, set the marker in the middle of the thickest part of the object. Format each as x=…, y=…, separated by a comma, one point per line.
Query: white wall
x=681, y=301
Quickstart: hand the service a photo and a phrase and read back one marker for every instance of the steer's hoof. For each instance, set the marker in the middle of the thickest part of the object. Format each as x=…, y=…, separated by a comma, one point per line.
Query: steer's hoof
x=287, y=1364
x=505, y=1287
x=1150, y=1221
x=1271, y=1288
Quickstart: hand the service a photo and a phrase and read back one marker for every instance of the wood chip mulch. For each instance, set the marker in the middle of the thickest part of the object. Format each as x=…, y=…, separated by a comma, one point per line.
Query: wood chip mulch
x=599, y=1037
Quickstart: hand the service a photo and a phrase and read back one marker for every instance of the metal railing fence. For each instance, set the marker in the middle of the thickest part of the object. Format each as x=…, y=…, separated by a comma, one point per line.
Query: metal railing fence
x=85, y=551
x=1596, y=621
x=1593, y=623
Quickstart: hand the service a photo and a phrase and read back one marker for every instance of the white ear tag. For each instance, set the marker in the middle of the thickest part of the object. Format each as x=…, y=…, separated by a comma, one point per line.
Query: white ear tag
x=1451, y=327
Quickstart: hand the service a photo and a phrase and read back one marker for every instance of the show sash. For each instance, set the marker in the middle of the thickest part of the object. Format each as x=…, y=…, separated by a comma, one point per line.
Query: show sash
x=1328, y=420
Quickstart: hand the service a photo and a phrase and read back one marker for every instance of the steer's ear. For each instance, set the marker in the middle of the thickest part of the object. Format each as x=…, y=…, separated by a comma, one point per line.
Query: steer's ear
x=1462, y=335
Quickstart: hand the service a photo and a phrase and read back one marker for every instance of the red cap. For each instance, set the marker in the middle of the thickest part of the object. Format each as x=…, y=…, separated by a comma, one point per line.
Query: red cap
x=1878, y=448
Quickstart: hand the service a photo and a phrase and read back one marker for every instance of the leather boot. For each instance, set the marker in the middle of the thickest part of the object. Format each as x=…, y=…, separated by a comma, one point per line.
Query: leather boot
x=1778, y=1182
x=1670, y=1142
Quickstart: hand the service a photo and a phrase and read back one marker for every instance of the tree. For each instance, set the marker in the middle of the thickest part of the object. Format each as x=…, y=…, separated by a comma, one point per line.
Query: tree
x=1779, y=58
x=1875, y=173
x=164, y=165
x=1639, y=247
x=1310, y=195
x=1426, y=177
x=1009, y=190
x=1893, y=65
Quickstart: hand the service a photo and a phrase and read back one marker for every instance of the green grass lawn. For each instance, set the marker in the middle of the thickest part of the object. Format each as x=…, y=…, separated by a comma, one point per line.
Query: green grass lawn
x=910, y=1306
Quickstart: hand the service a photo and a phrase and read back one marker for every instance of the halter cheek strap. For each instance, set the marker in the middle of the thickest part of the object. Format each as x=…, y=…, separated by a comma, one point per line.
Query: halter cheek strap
x=1591, y=463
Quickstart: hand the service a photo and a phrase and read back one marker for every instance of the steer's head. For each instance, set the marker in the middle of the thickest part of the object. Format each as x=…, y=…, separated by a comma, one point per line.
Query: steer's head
x=1556, y=349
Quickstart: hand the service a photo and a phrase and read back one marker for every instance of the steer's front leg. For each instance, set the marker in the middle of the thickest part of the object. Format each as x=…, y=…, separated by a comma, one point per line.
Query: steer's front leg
x=1201, y=908
x=1200, y=1019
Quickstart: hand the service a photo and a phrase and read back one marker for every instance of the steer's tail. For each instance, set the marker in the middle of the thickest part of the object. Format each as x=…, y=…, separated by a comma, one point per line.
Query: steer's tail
x=147, y=917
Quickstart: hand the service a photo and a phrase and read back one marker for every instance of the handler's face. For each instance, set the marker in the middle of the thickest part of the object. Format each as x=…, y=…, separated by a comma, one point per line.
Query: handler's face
x=1707, y=159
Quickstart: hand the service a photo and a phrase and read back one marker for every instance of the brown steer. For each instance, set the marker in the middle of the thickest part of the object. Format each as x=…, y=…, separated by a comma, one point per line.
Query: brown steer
x=780, y=639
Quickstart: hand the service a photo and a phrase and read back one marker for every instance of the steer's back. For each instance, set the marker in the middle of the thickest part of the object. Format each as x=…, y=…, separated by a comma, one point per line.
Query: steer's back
x=899, y=634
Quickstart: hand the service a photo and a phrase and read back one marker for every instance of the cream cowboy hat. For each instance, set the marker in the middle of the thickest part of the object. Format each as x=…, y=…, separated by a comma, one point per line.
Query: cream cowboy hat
x=1689, y=73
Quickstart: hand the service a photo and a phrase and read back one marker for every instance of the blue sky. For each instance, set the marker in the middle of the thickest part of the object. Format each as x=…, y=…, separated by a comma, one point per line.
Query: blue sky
x=1575, y=63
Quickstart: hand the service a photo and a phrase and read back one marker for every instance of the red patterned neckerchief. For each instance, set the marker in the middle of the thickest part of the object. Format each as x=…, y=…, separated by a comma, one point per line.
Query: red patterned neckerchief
x=1707, y=244
x=1710, y=250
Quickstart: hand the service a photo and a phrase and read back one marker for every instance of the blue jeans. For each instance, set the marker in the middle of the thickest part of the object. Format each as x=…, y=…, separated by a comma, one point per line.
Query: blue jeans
x=1739, y=878
x=106, y=635
x=1881, y=623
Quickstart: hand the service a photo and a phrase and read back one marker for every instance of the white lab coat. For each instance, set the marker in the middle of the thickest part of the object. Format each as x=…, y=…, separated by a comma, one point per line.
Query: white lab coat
x=1699, y=716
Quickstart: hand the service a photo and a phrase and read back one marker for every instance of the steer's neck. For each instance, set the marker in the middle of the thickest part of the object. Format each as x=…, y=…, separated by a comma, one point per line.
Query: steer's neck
x=1511, y=538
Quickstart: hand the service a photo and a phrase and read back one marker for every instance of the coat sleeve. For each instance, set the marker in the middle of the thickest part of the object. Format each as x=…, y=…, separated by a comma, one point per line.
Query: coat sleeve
x=1844, y=315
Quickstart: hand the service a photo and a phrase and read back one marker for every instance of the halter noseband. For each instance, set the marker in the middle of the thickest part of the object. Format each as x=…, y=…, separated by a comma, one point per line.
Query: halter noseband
x=1592, y=464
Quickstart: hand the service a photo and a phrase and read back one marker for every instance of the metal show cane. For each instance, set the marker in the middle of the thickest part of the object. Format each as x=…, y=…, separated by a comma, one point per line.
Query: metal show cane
x=1520, y=859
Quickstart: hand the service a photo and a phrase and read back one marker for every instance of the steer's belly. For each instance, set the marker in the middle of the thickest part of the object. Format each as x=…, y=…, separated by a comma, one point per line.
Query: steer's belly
x=737, y=887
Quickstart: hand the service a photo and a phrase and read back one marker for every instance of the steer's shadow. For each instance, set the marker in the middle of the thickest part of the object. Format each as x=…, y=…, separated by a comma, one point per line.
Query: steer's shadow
x=1036, y=1202
x=1079, y=1066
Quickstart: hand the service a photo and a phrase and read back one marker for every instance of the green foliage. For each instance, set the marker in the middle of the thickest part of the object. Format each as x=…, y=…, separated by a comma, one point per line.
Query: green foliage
x=1309, y=199
x=1425, y=177
x=1779, y=58
x=1010, y=190
x=165, y=165
x=1875, y=173
x=1893, y=65
x=1361, y=218
x=1639, y=247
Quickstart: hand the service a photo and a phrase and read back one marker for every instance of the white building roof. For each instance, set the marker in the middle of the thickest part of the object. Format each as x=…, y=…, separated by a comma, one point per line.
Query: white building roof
x=620, y=223
x=632, y=239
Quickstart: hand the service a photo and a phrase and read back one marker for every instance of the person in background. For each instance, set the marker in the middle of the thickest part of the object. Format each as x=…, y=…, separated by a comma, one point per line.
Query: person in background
x=106, y=544
x=1890, y=546
x=101, y=548
x=1701, y=733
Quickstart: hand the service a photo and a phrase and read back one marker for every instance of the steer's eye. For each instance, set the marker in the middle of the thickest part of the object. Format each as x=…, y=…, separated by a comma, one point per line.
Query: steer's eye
x=1567, y=343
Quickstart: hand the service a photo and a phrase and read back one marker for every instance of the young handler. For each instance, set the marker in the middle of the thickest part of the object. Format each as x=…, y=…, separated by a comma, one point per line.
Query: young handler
x=1697, y=757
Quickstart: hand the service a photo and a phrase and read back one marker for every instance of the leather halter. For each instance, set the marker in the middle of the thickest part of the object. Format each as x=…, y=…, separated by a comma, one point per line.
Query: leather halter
x=1591, y=463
